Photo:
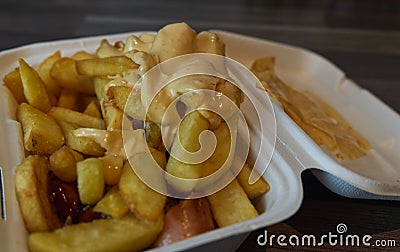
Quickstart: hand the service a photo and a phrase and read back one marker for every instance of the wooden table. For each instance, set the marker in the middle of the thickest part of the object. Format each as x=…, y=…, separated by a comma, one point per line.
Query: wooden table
x=362, y=37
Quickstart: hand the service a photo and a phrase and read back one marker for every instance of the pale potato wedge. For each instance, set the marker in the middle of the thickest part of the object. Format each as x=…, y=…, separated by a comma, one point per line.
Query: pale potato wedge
x=14, y=83
x=105, y=66
x=133, y=106
x=99, y=85
x=82, y=55
x=63, y=163
x=69, y=99
x=42, y=134
x=112, y=204
x=252, y=190
x=34, y=88
x=146, y=203
x=221, y=152
x=118, y=95
x=190, y=128
x=81, y=144
x=90, y=180
x=112, y=168
x=44, y=73
x=153, y=135
x=31, y=187
x=127, y=234
x=167, y=45
x=80, y=119
x=106, y=50
x=64, y=72
x=92, y=109
x=231, y=205
x=112, y=116
x=203, y=44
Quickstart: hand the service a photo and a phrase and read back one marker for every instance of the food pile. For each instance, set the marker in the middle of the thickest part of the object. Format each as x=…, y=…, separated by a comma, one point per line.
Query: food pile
x=76, y=188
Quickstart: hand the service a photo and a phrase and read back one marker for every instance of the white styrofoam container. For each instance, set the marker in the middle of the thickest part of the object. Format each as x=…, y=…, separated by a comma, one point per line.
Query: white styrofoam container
x=377, y=173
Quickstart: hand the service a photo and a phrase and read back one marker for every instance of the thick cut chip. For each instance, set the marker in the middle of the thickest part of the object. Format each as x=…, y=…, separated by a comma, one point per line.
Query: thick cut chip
x=90, y=180
x=112, y=116
x=83, y=55
x=92, y=109
x=189, y=131
x=82, y=144
x=44, y=73
x=153, y=135
x=63, y=163
x=31, y=187
x=99, y=87
x=105, y=66
x=146, y=203
x=42, y=134
x=127, y=234
x=80, y=119
x=112, y=168
x=106, y=50
x=69, y=99
x=13, y=82
x=112, y=204
x=231, y=205
x=34, y=88
x=252, y=190
x=133, y=107
x=219, y=158
x=64, y=72
x=165, y=43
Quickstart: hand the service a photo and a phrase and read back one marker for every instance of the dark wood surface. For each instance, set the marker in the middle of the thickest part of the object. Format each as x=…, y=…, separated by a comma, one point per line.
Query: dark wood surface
x=361, y=37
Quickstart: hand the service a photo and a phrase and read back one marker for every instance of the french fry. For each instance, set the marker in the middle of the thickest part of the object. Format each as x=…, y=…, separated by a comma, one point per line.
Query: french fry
x=81, y=144
x=112, y=169
x=153, y=135
x=64, y=72
x=190, y=128
x=80, y=119
x=252, y=190
x=141, y=200
x=31, y=187
x=90, y=180
x=44, y=73
x=112, y=116
x=221, y=152
x=63, y=163
x=99, y=85
x=92, y=109
x=69, y=99
x=14, y=83
x=119, y=95
x=118, y=235
x=231, y=205
x=107, y=50
x=166, y=48
x=42, y=134
x=112, y=204
x=34, y=89
x=105, y=66
x=82, y=55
